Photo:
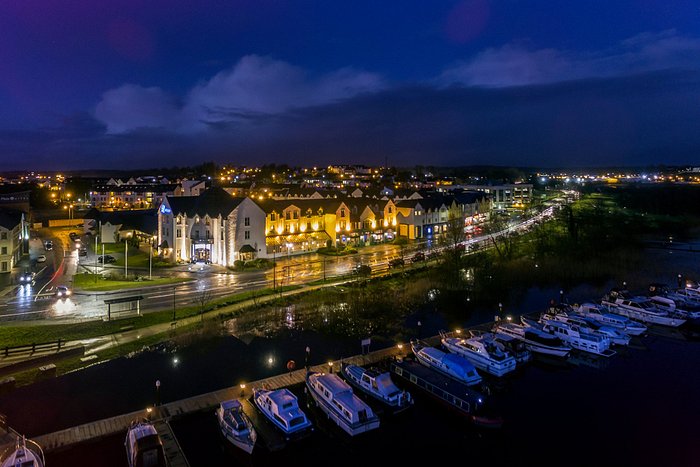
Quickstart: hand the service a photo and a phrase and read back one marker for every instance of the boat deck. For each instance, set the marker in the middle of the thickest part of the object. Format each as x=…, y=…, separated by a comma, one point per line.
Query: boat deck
x=171, y=447
x=267, y=433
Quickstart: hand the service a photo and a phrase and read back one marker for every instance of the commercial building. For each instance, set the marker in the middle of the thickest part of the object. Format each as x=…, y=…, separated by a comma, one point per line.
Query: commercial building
x=13, y=231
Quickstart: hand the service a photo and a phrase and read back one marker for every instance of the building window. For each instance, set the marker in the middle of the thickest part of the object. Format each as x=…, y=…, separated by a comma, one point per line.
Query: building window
x=296, y=214
x=196, y=233
x=246, y=221
x=342, y=212
x=272, y=217
x=389, y=209
x=3, y=236
x=286, y=215
x=4, y=250
x=179, y=233
x=222, y=235
x=247, y=235
x=4, y=266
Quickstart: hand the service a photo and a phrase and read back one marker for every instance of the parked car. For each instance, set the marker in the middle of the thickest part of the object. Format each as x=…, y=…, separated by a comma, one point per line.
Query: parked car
x=420, y=256
x=106, y=259
x=82, y=251
x=41, y=259
x=48, y=245
x=62, y=291
x=396, y=262
x=363, y=269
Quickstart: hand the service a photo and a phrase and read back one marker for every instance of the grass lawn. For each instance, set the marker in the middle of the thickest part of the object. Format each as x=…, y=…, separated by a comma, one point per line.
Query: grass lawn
x=86, y=281
x=137, y=258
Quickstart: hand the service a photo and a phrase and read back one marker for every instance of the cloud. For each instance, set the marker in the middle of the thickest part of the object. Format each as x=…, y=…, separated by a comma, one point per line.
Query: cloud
x=255, y=86
x=516, y=64
x=131, y=107
x=624, y=120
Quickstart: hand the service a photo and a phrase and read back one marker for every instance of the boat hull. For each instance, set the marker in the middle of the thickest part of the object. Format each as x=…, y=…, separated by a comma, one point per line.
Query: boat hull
x=388, y=404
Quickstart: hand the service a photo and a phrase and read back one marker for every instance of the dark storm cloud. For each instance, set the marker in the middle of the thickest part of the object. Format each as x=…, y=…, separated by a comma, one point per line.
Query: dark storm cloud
x=642, y=119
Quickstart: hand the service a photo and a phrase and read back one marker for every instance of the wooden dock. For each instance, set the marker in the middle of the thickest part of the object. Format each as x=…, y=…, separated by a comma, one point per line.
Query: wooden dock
x=162, y=414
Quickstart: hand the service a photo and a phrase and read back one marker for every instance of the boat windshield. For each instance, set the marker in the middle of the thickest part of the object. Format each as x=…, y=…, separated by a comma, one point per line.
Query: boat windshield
x=296, y=421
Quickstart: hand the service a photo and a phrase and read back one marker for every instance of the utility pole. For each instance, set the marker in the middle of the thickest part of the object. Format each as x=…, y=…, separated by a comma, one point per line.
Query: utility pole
x=98, y=233
x=150, y=261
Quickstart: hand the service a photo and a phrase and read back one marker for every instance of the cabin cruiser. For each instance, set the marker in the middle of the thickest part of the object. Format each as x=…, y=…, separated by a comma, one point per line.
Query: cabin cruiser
x=510, y=344
x=682, y=298
x=577, y=337
x=640, y=309
x=143, y=445
x=591, y=326
x=535, y=339
x=378, y=385
x=597, y=312
x=674, y=308
x=236, y=426
x=483, y=353
x=282, y=409
x=452, y=365
x=335, y=397
x=25, y=453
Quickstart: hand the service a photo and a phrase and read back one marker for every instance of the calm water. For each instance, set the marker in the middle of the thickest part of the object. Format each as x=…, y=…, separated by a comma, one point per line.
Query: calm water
x=638, y=408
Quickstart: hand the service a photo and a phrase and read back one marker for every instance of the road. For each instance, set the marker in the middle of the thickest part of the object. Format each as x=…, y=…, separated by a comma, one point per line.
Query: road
x=39, y=302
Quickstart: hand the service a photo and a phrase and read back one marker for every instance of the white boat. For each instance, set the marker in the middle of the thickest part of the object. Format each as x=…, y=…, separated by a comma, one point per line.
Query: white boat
x=25, y=453
x=482, y=353
x=335, y=397
x=681, y=299
x=378, y=385
x=451, y=365
x=673, y=307
x=536, y=340
x=510, y=344
x=640, y=309
x=143, y=445
x=577, y=337
x=599, y=313
x=591, y=326
x=236, y=426
x=282, y=409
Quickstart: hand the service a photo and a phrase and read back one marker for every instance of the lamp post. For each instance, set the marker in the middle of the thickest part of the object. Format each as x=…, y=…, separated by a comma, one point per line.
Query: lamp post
x=150, y=261
x=157, y=392
x=274, y=268
x=98, y=234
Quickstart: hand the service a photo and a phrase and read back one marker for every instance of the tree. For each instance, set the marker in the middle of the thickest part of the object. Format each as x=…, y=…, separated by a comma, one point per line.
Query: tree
x=453, y=240
x=502, y=238
x=203, y=297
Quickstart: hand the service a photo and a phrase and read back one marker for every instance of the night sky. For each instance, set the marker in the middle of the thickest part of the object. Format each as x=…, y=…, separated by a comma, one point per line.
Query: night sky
x=154, y=83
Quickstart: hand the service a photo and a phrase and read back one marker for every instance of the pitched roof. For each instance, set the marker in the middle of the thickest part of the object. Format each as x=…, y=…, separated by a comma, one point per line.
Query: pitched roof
x=328, y=204
x=144, y=220
x=213, y=202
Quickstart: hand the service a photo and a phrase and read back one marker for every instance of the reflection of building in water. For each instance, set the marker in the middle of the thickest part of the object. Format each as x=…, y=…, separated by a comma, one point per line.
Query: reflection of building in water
x=289, y=316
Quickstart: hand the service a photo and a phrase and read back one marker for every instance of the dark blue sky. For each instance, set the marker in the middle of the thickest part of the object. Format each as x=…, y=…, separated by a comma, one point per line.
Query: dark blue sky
x=160, y=82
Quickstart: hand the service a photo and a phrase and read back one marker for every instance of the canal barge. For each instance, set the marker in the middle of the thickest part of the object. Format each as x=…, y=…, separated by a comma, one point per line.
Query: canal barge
x=458, y=396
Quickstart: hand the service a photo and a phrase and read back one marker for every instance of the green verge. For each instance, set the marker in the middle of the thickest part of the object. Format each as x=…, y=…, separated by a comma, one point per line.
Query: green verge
x=16, y=334
x=86, y=281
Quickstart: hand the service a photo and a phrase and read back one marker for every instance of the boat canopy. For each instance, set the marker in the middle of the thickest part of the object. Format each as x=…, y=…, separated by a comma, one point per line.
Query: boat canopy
x=233, y=404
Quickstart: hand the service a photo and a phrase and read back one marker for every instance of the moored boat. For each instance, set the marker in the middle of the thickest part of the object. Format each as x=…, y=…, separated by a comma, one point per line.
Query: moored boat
x=535, y=339
x=591, y=326
x=451, y=365
x=482, y=353
x=144, y=447
x=454, y=394
x=25, y=453
x=577, y=337
x=335, y=397
x=281, y=407
x=510, y=344
x=597, y=312
x=377, y=385
x=235, y=425
x=639, y=308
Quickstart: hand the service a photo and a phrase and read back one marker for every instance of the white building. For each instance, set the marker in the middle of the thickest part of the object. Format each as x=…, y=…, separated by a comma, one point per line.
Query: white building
x=12, y=226
x=213, y=226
